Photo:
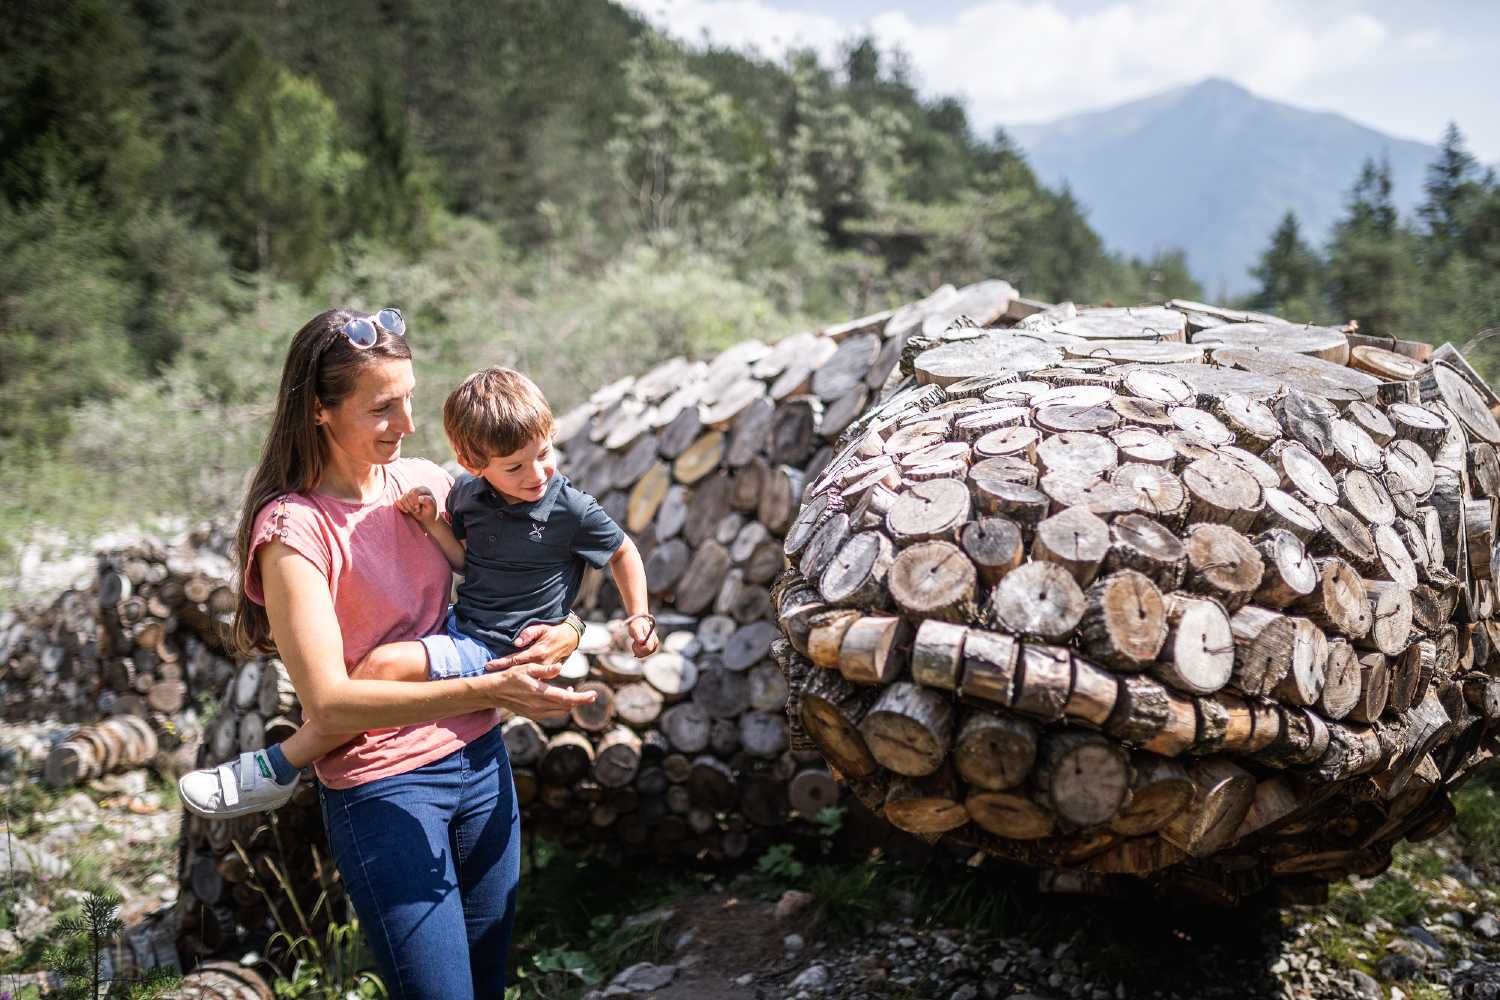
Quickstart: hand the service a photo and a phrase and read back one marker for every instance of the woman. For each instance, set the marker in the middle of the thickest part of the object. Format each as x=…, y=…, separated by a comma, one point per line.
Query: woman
x=420, y=808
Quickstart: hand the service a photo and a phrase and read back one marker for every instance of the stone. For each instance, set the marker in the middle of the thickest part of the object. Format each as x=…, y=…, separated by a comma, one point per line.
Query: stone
x=792, y=944
x=660, y=915
x=1464, y=874
x=1487, y=927
x=945, y=944
x=791, y=903
x=1399, y=966
x=1365, y=986
x=744, y=980
x=968, y=991
x=32, y=919
x=684, y=939
x=1481, y=981
x=644, y=977
x=814, y=977
x=1425, y=938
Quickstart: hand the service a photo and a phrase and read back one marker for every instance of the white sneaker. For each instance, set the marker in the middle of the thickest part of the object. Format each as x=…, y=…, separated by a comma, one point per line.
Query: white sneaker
x=238, y=788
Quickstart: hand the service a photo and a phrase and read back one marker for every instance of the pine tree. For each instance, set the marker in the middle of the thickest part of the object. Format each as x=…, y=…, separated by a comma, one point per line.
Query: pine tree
x=281, y=168
x=1288, y=270
x=1370, y=264
x=1453, y=191
x=75, y=112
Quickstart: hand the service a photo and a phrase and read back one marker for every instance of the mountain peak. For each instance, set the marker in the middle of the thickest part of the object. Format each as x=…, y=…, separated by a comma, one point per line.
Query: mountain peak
x=1219, y=85
x=1212, y=168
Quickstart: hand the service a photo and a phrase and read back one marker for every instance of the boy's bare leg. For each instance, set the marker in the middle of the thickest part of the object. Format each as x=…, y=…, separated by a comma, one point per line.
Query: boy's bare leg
x=392, y=661
x=395, y=661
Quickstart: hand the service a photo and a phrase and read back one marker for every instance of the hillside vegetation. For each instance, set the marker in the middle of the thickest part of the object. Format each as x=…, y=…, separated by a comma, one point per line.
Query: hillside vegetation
x=554, y=186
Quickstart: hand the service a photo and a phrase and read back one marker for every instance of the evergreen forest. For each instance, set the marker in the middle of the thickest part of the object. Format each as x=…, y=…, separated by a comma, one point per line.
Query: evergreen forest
x=553, y=186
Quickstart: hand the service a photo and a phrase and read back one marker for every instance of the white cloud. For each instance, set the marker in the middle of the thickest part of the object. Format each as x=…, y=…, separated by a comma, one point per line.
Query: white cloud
x=1016, y=61
x=744, y=24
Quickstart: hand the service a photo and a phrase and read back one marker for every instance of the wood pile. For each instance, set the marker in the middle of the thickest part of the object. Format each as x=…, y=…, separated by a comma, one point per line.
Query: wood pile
x=1173, y=592
x=704, y=464
x=135, y=645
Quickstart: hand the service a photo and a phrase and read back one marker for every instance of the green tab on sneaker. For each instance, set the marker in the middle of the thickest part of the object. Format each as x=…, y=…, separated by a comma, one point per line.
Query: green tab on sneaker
x=263, y=765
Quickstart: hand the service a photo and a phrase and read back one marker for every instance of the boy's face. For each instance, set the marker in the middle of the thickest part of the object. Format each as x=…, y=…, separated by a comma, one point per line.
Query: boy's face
x=523, y=474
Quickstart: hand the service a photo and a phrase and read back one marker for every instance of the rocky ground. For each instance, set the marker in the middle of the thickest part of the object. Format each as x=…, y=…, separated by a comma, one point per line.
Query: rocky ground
x=116, y=834
x=1306, y=954
x=1428, y=928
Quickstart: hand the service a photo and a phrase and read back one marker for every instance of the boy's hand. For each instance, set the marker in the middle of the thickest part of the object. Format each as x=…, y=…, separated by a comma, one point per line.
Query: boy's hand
x=643, y=638
x=420, y=504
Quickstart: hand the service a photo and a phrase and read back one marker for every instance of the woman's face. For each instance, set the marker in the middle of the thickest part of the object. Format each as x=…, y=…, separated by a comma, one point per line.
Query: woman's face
x=368, y=424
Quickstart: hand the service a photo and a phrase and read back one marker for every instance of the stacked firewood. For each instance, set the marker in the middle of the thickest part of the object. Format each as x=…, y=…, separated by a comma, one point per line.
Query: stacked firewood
x=683, y=753
x=135, y=645
x=1168, y=591
x=705, y=463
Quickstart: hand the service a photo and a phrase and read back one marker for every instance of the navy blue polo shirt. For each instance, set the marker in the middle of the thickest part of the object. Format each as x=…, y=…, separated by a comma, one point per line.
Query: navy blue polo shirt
x=523, y=561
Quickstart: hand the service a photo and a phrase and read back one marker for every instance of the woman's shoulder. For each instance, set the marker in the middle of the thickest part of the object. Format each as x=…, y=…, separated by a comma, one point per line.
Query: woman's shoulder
x=410, y=472
x=296, y=521
x=297, y=507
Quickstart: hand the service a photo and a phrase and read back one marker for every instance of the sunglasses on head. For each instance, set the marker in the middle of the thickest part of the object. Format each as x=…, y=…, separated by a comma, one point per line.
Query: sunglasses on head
x=365, y=330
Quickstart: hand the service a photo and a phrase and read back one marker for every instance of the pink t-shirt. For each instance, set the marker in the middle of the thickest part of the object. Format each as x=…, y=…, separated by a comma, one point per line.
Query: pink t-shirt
x=389, y=582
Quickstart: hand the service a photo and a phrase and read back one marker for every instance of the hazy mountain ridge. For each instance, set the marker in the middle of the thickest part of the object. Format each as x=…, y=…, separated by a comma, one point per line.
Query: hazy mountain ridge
x=1212, y=168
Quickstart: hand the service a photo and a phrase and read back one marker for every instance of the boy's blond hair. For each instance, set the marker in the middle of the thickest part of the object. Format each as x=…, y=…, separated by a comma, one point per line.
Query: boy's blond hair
x=494, y=412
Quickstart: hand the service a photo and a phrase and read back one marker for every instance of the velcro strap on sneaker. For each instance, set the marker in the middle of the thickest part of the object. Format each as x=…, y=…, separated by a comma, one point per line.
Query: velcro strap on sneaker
x=255, y=769
x=229, y=785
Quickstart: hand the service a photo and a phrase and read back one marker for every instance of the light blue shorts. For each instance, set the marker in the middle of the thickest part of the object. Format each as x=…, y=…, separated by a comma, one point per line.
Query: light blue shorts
x=456, y=654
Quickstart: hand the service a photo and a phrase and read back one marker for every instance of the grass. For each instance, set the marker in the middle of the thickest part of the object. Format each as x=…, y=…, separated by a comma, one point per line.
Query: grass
x=1478, y=822
x=1391, y=896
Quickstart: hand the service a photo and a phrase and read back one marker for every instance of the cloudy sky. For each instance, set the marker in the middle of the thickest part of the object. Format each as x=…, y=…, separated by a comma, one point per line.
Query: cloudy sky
x=1402, y=67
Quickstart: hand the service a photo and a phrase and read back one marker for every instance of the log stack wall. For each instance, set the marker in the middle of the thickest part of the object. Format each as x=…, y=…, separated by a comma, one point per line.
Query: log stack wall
x=1168, y=592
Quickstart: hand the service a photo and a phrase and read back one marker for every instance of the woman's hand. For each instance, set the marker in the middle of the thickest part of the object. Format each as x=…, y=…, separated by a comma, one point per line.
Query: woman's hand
x=524, y=690
x=539, y=644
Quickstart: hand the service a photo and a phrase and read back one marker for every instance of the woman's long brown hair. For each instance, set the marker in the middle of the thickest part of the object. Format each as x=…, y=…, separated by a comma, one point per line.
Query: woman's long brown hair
x=321, y=367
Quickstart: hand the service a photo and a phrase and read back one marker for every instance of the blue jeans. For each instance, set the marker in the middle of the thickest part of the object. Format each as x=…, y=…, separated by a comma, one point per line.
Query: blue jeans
x=455, y=653
x=431, y=859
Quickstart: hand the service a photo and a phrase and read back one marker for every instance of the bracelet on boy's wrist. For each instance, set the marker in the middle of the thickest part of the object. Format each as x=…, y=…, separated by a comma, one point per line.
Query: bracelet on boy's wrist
x=649, y=617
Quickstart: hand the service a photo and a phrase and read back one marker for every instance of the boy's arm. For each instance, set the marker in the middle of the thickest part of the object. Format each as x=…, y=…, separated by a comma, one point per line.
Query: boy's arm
x=630, y=576
x=629, y=573
x=442, y=533
x=420, y=505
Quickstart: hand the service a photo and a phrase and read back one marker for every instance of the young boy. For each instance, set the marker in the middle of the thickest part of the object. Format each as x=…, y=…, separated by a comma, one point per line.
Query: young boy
x=519, y=532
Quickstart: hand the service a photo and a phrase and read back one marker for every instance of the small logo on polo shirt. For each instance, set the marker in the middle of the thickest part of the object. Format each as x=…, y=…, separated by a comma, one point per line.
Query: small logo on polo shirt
x=536, y=532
